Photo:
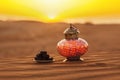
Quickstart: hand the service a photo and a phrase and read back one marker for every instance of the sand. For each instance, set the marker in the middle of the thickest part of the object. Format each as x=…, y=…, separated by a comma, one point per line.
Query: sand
x=20, y=41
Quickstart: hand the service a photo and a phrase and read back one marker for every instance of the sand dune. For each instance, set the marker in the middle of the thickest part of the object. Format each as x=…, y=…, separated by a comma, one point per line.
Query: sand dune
x=21, y=40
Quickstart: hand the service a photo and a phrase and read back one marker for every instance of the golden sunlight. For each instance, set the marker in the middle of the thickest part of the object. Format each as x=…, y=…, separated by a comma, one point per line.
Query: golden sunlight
x=50, y=8
x=51, y=16
x=60, y=10
x=54, y=10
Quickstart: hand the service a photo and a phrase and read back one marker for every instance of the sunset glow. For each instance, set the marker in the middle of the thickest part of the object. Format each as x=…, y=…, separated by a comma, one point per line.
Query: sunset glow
x=60, y=10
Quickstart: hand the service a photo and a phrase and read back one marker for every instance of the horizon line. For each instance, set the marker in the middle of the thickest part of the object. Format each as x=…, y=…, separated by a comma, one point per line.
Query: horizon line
x=30, y=20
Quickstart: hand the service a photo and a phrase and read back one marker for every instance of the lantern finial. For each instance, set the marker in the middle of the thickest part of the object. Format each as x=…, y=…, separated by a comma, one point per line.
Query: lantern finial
x=71, y=32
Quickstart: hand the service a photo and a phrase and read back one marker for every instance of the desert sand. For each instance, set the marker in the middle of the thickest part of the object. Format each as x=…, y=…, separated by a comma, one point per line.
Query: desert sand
x=20, y=41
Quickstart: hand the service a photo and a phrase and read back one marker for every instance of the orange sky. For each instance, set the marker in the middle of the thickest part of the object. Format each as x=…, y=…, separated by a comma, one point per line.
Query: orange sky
x=61, y=10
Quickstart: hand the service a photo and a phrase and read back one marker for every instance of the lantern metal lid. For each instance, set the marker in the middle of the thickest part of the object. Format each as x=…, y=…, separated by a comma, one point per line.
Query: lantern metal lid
x=71, y=33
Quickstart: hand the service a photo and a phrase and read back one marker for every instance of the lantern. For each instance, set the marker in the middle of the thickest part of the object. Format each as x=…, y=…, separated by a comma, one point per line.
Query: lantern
x=72, y=47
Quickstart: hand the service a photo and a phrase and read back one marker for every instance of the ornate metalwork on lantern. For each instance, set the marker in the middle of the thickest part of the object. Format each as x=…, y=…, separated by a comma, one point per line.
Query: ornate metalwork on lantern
x=72, y=47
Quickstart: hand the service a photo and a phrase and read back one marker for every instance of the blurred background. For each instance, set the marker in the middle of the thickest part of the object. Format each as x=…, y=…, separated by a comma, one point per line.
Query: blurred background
x=28, y=26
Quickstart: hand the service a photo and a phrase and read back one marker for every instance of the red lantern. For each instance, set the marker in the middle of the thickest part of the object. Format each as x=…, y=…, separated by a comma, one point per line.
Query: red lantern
x=72, y=47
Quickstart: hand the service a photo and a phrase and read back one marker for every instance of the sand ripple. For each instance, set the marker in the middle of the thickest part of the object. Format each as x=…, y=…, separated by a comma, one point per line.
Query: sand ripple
x=97, y=67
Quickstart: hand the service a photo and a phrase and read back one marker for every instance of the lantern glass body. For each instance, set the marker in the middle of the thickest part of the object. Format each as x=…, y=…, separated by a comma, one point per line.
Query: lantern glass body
x=72, y=48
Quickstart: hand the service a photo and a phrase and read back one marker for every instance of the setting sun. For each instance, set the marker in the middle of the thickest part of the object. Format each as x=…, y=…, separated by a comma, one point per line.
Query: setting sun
x=51, y=16
x=61, y=10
